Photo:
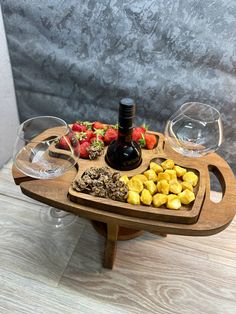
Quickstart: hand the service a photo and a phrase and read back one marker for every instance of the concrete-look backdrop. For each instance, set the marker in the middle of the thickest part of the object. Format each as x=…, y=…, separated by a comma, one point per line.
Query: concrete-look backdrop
x=76, y=59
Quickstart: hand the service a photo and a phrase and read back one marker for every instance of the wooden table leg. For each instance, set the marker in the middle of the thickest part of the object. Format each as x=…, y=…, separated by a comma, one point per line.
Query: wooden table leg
x=112, y=234
x=111, y=244
x=123, y=233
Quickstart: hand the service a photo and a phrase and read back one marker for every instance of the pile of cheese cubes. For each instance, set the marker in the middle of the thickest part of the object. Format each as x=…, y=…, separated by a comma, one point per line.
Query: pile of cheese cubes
x=165, y=184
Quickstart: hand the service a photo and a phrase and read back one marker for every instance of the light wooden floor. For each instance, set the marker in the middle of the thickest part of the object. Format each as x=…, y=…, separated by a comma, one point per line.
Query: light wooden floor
x=43, y=271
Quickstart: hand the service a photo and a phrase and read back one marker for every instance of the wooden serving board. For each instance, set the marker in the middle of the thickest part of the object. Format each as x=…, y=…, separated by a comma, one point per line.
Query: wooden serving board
x=187, y=214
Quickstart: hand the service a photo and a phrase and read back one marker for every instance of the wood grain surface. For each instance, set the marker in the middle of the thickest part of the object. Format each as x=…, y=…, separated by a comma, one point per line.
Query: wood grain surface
x=205, y=216
x=158, y=275
x=172, y=275
x=25, y=243
x=214, y=217
x=186, y=214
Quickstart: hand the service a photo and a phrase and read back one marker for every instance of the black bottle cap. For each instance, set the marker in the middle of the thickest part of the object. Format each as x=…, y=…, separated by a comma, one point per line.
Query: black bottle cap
x=126, y=113
x=127, y=108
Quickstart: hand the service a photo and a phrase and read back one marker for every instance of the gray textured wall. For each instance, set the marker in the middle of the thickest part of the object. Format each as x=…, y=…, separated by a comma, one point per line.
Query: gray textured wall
x=76, y=59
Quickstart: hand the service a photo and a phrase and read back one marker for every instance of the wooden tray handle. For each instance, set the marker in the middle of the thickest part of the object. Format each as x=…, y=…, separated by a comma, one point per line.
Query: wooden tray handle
x=227, y=181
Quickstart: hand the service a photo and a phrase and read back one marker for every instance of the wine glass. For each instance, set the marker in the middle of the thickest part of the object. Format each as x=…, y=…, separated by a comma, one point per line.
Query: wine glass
x=46, y=148
x=194, y=130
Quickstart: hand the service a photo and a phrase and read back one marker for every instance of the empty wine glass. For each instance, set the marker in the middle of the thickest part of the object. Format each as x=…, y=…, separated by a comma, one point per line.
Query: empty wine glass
x=194, y=130
x=46, y=148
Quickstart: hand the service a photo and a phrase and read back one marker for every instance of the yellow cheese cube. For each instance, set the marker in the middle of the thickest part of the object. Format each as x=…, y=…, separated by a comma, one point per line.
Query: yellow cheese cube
x=173, y=181
x=163, y=187
x=191, y=178
x=124, y=179
x=179, y=171
x=173, y=202
x=151, y=175
x=159, y=199
x=175, y=187
x=135, y=185
x=163, y=176
x=151, y=186
x=186, y=197
x=157, y=168
x=171, y=173
x=168, y=164
x=187, y=185
x=146, y=197
x=140, y=176
x=133, y=198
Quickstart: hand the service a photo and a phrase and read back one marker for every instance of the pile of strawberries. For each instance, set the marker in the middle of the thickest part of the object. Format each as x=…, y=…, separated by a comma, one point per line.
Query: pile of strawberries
x=94, y=136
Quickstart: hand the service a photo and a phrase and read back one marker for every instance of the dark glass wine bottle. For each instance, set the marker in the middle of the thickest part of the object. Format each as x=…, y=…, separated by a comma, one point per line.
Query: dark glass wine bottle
x=124, y=153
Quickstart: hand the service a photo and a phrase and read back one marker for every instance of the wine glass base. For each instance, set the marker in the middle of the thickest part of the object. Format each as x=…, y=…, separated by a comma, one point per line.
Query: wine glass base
x=55, y=218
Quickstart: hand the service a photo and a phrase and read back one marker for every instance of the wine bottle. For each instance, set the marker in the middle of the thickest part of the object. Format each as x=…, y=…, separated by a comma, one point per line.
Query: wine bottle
x=124, y=153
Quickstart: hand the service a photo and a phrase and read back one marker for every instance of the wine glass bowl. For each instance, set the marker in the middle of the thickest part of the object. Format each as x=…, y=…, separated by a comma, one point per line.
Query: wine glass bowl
x=46, y=148
x=195, y=130
x=37, y=152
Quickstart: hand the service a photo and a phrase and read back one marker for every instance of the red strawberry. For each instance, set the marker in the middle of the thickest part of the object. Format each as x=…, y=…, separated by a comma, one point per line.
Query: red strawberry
x=71, y=134
x=98, y=125
x=89, y=134
x=64, y=142
x=110, y=135
x=144, y=127
x=82, y=137
x=98, y=135
x=150, y=140
x=95, y=149
x=83, y=149
x=137, y=134
x=96, y=138
x=87, y=124
x=73, y=140
x=113, y=126
x=77, y=150
x=79, y=127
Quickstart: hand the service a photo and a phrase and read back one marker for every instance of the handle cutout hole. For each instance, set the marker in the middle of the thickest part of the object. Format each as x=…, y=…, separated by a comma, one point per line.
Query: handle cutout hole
x=217, y=184
x=163, y=144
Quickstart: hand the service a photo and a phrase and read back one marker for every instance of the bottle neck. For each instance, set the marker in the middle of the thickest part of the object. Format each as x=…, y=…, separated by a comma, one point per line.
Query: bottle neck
x=126, y=116
x=124, y=135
